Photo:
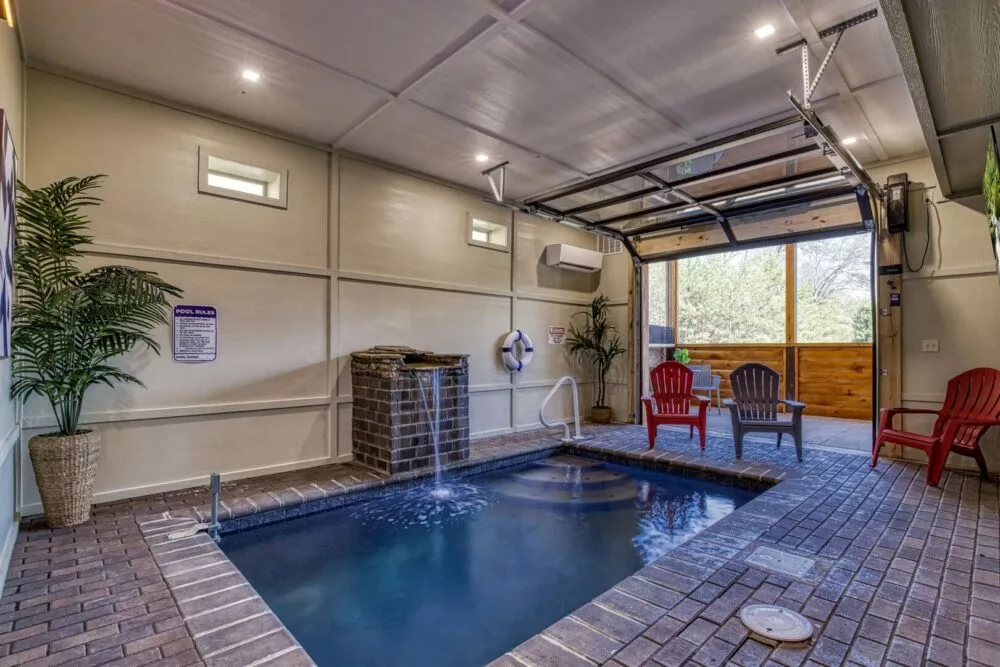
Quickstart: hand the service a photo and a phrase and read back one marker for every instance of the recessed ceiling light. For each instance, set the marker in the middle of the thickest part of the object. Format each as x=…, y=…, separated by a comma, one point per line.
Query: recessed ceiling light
x=848, y=141
x=764, y=31
x=482, y=157
x=251, y=75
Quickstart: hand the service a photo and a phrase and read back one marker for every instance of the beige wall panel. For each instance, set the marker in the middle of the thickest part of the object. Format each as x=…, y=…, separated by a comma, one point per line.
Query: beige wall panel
x=272, y=344
x=529, y=400
x=489, y=412
x=138, y=458
x=954, y=299
x=12, y=103
x=344, y=416
x=615, y=276
x=151, y=197
x=531, y=274
x=434, y=320
x=550, y=362
x=399, y=225
x=618, y=400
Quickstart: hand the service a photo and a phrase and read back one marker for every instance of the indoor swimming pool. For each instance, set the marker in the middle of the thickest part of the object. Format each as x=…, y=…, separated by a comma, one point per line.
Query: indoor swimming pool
x=455, y=574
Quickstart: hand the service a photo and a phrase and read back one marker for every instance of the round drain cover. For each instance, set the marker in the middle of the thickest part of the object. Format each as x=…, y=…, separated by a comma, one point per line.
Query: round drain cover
x=778, y=623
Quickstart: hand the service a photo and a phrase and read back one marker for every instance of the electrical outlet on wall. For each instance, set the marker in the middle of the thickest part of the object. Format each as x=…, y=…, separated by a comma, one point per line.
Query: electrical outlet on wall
x=929, y=345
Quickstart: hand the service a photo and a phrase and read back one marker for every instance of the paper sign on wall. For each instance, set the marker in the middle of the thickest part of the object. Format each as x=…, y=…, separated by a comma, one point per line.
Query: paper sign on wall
x=557, y=335
x=196, y=334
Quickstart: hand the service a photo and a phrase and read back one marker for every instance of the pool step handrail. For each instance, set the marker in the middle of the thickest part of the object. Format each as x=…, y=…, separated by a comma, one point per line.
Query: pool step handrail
x=576, y=409
x=215, y=484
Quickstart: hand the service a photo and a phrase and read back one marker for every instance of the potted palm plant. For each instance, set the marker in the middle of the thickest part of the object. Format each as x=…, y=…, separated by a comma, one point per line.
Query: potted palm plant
x=991, y=194
x=596, y=341
x=68, y=327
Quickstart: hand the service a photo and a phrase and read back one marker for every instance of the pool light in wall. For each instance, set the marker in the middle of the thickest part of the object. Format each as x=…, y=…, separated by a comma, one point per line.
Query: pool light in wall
x=251, y=75
x=764, y=31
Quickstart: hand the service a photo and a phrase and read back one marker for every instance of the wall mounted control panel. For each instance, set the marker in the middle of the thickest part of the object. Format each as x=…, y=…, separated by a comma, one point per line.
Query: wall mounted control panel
x=898, y=209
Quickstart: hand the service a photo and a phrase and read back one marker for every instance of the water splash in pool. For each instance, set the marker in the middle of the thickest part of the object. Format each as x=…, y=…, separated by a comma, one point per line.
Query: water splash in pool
x=435, y=419
x=424, y=505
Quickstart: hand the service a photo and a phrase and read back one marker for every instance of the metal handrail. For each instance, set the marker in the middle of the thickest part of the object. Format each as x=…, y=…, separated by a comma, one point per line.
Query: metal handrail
x=576, y=409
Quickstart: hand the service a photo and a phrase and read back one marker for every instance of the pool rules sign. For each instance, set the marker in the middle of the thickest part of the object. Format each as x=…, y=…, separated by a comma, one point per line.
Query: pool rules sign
x=196, y=334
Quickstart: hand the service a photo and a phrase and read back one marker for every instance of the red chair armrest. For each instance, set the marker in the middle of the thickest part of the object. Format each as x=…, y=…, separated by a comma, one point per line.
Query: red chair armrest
x=703, y=399
x=951, y=429
x=886, y=415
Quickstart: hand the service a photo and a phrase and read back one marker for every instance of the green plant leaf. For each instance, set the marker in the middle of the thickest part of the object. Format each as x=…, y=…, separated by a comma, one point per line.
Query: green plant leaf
x=68, y=325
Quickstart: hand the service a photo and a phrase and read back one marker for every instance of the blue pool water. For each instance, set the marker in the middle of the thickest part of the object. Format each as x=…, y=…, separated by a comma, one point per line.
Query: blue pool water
x=454, y=576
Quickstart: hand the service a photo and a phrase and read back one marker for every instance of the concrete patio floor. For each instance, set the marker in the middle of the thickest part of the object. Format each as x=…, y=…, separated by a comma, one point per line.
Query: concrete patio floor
x=850, y=434
x=905, y=574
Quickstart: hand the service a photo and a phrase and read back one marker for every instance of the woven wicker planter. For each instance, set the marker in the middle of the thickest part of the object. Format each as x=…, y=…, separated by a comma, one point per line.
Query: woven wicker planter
x=65, y=468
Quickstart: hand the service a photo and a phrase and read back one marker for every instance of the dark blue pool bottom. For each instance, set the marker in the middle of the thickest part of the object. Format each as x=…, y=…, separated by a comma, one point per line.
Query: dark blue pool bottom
x=387, y=583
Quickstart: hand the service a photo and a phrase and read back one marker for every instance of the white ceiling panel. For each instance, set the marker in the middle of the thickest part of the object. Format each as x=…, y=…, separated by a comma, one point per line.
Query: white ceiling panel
x=890, y=110
x=148, y=46
x=353, y=34
x=522, y=87
x=577, y=87
x=866, y=54
x=413, y=137
x=697, y=60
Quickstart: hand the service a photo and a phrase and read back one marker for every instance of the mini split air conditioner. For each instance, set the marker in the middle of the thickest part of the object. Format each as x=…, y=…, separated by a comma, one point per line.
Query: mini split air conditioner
x=562, y=256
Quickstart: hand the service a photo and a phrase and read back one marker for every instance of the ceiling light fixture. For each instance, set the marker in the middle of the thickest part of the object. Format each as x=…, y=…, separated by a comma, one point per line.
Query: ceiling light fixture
x=251, y=75
x=764, y=31
x=848, y=141
x=482, y=157
x=8, y=13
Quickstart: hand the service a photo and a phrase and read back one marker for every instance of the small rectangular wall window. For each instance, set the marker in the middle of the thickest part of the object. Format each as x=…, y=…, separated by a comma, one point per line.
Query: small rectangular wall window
x=228, y=178
x=488, y=234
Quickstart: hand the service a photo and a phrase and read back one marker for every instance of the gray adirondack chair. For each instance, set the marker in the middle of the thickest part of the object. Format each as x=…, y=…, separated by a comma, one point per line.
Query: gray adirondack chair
x=754, y=406
x=705, y=382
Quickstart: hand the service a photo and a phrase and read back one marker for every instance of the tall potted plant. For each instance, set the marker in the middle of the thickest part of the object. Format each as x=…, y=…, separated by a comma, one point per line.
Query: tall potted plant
x=596, y=340
x=68, y=327
x=991, y=194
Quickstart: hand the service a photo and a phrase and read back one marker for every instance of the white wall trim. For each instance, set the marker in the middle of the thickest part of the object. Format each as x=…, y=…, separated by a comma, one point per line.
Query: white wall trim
x=501, y=386
x=218, y=261
x=178, y=484
x=953, y=272
x=397, y=281
x=197, y=259
x=564, y=300
x=64, y=73
x=7, y=550
x=142, y=414
x=9, y=442
x=917, y=397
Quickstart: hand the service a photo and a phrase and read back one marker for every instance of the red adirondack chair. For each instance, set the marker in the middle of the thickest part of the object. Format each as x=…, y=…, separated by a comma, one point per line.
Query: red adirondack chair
x=670, y=401
x=971, y=406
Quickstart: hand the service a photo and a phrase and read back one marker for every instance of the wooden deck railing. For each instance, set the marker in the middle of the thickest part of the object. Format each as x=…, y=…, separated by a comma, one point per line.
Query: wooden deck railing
x=833, y=379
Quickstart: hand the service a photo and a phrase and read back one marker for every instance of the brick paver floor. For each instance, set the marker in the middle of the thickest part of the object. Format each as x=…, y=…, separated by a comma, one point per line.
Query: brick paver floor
x=904, y=574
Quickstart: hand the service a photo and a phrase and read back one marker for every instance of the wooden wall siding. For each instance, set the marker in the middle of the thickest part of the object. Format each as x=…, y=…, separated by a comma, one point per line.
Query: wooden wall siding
x=724, y=359
x=833, y=380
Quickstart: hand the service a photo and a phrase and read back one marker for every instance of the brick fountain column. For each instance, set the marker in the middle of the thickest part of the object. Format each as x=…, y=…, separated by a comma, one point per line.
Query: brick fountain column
x=390, y=430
